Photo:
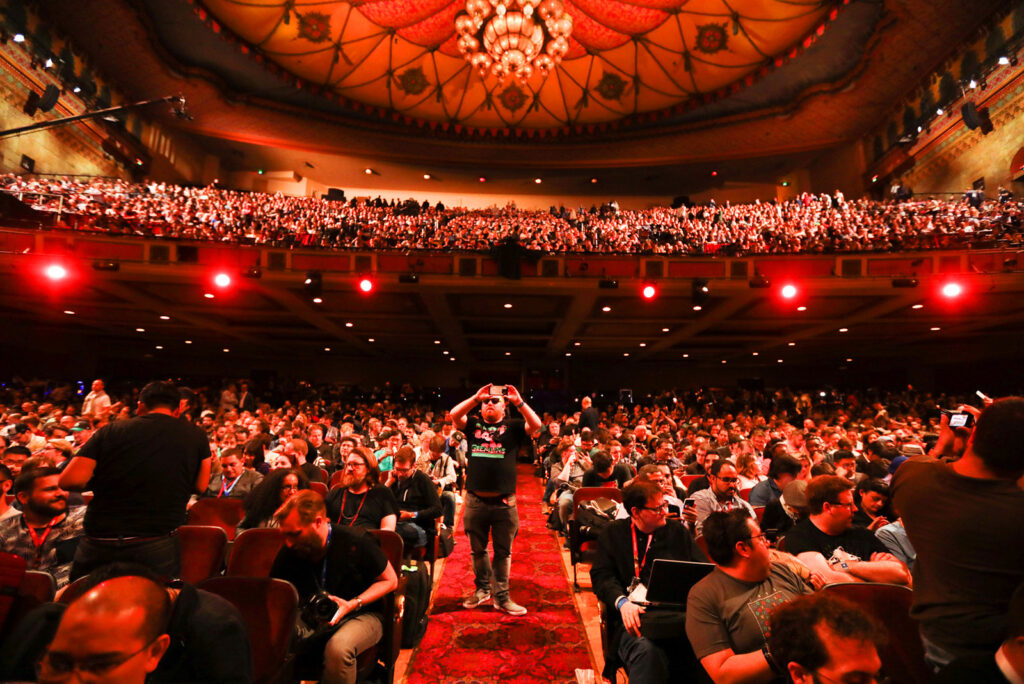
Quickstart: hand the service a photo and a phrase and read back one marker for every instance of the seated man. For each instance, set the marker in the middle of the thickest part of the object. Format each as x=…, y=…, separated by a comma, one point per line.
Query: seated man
x=418, y=503
x=604, y=473
x=820, y=638
x=721, y=495
x=782, y=471
x=47, y=532
x=626, y=553
x=346, y=564
x=827, y=542
x=234, y=480
x=117, y=626
x=209, y=640
x=727, y=612
x=360, y=500
x=871, y=497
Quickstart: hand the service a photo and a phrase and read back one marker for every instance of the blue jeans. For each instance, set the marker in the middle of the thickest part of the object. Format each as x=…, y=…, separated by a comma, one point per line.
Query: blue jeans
x=497, y=520
x=413, y=536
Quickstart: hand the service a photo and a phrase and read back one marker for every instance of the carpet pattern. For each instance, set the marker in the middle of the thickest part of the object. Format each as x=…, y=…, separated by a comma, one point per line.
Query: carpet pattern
x=485, y=646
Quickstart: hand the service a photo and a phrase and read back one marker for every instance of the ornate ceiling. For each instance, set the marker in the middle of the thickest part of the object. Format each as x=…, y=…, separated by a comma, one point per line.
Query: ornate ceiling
x=625, y=57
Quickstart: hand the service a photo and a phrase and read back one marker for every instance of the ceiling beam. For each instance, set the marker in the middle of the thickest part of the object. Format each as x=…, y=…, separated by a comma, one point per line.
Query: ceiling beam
x=299, y=308
x=451, y=331
x=579, y=309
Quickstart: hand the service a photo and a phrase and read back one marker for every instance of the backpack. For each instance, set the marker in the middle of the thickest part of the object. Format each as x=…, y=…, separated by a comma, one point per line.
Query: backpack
x=594, y=515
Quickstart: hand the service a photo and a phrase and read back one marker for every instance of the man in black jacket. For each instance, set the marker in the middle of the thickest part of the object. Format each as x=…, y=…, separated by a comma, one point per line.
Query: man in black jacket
x=626, y=553
x=418, y=501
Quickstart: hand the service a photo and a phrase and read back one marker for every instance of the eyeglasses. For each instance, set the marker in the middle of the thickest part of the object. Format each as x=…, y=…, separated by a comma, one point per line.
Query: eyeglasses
x=492, y=400
x=355, y=464
x=57, y=666
x=727, y=480
x=663, y=508
x=839, y=504
x=403, y=470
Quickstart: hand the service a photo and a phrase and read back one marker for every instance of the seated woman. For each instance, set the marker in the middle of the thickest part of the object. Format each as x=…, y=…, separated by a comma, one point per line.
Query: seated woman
x=276, y=488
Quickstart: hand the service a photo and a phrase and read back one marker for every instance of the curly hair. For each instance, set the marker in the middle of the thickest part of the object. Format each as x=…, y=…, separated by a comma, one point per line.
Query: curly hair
x=265, y=498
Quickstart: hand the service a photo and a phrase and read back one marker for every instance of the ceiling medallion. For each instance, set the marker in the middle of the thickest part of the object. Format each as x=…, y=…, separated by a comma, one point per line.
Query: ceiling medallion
x=519, y=38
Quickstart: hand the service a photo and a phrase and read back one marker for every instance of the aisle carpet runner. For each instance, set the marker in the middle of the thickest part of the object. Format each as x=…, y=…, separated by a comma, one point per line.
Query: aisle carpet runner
x=484, y=645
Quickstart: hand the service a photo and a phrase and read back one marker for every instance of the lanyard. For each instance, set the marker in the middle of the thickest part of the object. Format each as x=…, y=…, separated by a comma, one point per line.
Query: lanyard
x=39, y=539
x=637, y=560
x=224, y=489
x=323, y=565
x=341, y=514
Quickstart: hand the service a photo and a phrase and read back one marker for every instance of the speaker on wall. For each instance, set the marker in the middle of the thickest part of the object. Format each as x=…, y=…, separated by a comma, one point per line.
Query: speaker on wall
x=969, y=113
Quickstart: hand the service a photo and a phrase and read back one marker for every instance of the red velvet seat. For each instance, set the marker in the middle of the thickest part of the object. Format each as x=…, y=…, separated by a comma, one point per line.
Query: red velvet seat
x=202, y=551
x=580, y=550
x=687, y=480
x=385, y=653
x=319, y=487
x=224, y=513
x=253, y=553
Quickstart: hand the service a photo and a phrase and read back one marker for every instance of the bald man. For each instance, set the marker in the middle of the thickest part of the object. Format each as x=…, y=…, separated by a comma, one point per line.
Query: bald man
x=114, y=633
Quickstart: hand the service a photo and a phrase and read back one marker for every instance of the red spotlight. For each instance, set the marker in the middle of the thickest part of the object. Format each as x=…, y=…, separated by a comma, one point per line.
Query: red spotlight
x=222, y=279
x=952, y=290
x=365, y=285
x=55, y=272
x=649, y=292
x=789, y=291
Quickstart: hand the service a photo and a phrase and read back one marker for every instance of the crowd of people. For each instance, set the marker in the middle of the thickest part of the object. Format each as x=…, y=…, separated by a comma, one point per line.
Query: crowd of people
x=776, y=494
x=806, y=224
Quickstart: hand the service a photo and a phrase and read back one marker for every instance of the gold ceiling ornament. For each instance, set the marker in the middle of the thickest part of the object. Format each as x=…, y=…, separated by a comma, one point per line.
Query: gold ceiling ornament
x=519, y=38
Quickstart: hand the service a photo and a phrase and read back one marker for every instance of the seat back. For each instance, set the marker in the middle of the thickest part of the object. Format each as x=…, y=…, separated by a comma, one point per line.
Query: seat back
x=319, y=487
x=759, y=512
x=254, y=551
x=745, y=494
x=687, y=480
x=223, y=512
x=324, y=475
x=903, y=655
x=590, y=493
x=336, y=478
x=202, y=551
x=34, y=589
x=269, y=608
x=394, y=604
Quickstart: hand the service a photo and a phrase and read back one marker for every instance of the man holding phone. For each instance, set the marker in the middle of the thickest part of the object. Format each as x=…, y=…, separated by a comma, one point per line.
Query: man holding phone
x=494, y=442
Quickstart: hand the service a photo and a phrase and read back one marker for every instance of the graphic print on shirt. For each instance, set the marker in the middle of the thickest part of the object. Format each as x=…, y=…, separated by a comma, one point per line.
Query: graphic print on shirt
x=763, y=608
x=485, y=443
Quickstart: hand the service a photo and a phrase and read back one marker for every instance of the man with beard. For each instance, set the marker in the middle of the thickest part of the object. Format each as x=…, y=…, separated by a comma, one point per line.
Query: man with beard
x=721, y=495
x=494, y=442
x=234, y=481
x=347, y=565
x=418, y=503
x=46, y=534
x=360, y=500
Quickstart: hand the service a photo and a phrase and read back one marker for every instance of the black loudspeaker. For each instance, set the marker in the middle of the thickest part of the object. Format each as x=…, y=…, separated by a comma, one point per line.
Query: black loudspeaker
x=335, y=195
x=984, y=121
x=49, y=98
x=969, y=113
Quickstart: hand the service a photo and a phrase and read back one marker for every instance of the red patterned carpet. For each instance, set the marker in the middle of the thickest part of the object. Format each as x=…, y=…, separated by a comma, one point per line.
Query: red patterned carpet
x=483, y=645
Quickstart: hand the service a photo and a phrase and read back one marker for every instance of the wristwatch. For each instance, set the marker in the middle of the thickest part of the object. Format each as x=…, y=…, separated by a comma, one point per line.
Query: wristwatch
x=359, y=602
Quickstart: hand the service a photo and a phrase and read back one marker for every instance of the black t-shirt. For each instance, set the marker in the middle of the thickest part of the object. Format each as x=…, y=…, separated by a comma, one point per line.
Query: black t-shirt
x=353, y=562
x=805, y=536
x=146, y=470
x=361, y=510
x=619, y=477
x=492, y=454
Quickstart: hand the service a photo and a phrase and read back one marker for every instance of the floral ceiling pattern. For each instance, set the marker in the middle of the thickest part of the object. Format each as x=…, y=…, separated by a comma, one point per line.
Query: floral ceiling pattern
x=627, y=58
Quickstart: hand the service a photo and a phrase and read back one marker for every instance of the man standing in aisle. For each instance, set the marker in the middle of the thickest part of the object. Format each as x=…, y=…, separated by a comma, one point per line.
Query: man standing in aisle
x=494, y=442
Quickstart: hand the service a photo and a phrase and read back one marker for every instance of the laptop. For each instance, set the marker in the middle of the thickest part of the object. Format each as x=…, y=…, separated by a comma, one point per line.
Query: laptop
x=671, y=581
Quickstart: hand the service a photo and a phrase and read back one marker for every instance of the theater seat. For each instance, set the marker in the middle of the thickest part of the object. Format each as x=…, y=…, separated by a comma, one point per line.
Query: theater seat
x=319, y=487
x=903, y=655
x=336, y=479
x=745, y=494
x=580, y=550
x=385, y=654
x=202, y=551
x=224, y=513
x=34, y=589
x=254, y=551
x=269, y=608
x=687, y=480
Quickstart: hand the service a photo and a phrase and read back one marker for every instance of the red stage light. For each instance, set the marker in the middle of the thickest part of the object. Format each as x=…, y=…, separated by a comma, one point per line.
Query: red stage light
x=366, y=285
x=56, y=272
x=649, y=292
x=952, y=290
x=789, y=291
x=222, y=280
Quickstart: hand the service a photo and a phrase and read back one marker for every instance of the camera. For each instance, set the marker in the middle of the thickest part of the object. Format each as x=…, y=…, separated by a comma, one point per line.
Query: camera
x=960, y=419
x=499, y=390
x=319, y=609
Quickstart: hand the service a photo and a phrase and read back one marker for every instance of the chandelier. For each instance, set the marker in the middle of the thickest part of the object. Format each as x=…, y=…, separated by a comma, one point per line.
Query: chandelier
x=513, y=37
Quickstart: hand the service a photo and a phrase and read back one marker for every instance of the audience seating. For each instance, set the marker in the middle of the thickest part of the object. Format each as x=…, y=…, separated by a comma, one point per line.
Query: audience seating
x=580, y=550
x=385, y=654
x=202, y=551
x=745, y=494
x=759, y=512
x=903, y=655
x=224, y=513
x=35, y=589
x=324, y=476
x=319, y=487
x=269, y=608
x=336, y=479
x=687, y=480
x=73, y=590
x=253, y=552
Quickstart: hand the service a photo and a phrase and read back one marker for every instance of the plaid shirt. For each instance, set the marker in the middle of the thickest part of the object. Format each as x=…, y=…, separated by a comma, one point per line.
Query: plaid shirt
x=58, y=549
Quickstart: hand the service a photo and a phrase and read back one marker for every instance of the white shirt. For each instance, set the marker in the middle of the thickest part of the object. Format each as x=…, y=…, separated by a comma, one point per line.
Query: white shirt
x=96, y=404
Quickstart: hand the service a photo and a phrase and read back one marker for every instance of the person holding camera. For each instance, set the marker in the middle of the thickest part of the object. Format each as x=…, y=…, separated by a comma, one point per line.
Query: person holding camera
x=494, y=441
x=341, y=575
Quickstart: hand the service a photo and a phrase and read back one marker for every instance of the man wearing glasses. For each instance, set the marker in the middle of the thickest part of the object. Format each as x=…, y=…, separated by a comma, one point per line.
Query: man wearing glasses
x=721, y=495
x=360, y=500
x=418, y=501
x=626, y=553
x=494, y=441
x=828, y=543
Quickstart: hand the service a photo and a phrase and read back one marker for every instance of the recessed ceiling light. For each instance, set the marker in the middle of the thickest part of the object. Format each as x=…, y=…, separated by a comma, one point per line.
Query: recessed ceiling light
x=508, y=353
x=780, y=360
x=917, y=306
x=686, y=356
x=664, y=330
x=226, y=350
x=792, y=344
x=508, y=305
x=159, y=346
x=697, y=307
x=625, y=353
x=368, y=171
x=593, y=180
x=849, y=360
x=318, y=300
x=140, y=330
x=165, y=318
x=754, y=353
x=445, y=352
x=606, y=309
x=724, y=361
x=643, y=344
x=370, y=339
x=451, y=358
x=188, y=341
x=577, y=344
x=801, y=308
x=348, y=324
x=437, y=341
x=538, y=181
x=843, y=330
x=208, y=295
x=69, y=312
x=568, y=353
x=426, y=176
x=935, y=328
x=327, y=349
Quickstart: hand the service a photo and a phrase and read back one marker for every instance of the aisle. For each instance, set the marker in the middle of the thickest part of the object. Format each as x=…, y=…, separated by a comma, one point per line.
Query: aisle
x=484, y=645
